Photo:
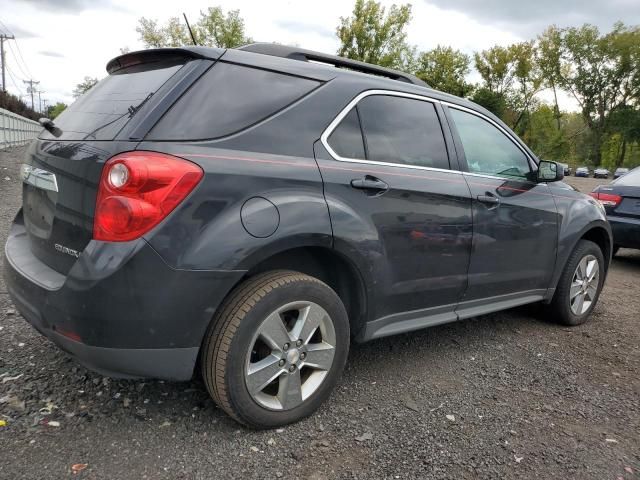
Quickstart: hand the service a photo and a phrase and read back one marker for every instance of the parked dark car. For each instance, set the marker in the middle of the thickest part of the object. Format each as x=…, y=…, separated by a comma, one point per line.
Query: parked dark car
x=601, y=173
x=620, y=171
x=250, y=211
x=582, y=172
x=621, y=200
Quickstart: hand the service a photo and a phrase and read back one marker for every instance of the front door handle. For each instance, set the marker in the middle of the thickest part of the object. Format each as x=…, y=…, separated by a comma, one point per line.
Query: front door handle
x=370, y=183
x=490, y=200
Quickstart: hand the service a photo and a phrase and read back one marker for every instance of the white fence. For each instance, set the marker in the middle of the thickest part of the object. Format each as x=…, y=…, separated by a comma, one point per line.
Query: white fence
x=16, y=130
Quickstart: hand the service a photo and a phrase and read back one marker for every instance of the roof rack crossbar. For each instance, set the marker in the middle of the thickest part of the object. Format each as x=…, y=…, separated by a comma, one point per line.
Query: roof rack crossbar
x=295, y=53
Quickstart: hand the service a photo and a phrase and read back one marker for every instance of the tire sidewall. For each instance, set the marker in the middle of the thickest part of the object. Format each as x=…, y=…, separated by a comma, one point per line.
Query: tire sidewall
x=563, y=303
x=305, y=290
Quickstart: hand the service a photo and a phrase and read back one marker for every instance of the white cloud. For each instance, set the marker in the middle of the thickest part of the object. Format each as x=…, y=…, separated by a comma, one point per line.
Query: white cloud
x=71, y=39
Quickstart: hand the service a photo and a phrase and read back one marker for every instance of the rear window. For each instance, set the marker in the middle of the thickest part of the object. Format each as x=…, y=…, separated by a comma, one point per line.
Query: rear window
x=227, y=99
x=101, y=113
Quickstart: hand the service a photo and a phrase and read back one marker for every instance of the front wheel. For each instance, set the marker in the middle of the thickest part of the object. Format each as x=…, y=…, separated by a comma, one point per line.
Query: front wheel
x=580, y=285
x=276, y=349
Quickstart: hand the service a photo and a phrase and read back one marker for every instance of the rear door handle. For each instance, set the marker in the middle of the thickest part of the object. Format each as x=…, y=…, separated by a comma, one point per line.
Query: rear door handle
x=489, y=200
x=370, y=183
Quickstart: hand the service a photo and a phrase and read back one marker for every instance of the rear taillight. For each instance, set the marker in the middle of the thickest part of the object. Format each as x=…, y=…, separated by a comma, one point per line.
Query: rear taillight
x=137, y=190
x=607, y=199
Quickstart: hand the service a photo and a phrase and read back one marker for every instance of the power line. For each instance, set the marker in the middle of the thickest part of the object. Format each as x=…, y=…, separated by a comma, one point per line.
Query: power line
x=15, y=57
x=10, y=33
x=22, y=58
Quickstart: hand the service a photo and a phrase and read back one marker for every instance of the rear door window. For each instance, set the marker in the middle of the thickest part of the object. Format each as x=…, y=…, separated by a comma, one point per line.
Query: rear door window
x=227, y=99
x=346, y=140
x=101, y=113
x=396, y=129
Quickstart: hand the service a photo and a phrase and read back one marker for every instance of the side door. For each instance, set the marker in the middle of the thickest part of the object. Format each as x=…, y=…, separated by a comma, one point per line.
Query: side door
x=515, y=220
x=397, y=208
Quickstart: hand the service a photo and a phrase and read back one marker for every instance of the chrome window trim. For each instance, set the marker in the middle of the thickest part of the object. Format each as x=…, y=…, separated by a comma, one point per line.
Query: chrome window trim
x=324, y=138
x=498, y=126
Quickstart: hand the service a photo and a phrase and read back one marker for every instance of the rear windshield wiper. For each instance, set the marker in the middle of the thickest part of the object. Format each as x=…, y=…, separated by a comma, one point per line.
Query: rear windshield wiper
x=131, y=111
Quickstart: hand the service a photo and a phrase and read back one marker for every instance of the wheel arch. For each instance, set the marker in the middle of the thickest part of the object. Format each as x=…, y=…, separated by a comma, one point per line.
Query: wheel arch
x=328, y=265
x=597, y=232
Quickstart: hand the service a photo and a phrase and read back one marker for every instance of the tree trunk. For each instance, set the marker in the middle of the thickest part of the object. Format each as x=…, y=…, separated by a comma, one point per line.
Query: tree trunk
x=556, y=110
x=623, y=152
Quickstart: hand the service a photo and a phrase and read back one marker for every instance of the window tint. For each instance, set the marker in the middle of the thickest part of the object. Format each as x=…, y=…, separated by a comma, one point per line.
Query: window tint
x=402, y=130
x=227, y=99
x=632, y=178
x=346, y=139
x=487, y=149
x=101, y=113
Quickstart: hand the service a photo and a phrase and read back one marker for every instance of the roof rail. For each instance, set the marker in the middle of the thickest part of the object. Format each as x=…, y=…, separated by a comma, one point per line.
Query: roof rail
x=295, y=53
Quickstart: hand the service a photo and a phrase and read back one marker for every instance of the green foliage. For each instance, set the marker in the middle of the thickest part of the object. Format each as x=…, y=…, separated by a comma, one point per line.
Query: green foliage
x=214, y=28
x=84, y=86
x=445, y=69
x=14, y=104
x=54, y=110
x=372, y=35
x=492, y=101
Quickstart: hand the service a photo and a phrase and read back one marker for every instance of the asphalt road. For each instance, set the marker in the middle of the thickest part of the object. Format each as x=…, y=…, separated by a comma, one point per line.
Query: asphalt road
x=507, y=395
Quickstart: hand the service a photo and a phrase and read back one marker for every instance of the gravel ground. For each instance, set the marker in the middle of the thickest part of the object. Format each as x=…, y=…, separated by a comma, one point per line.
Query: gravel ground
x=507, y=395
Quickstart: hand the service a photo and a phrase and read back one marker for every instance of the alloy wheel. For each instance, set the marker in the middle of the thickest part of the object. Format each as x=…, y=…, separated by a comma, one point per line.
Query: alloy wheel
x=290, y=355
x=584, y=285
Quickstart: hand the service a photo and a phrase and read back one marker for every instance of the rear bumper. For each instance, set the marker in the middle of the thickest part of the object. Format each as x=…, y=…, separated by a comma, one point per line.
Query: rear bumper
x=626, y=231
x=121, y=310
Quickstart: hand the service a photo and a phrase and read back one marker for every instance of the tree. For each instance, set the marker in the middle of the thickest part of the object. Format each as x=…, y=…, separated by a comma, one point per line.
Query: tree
x=374, y=36
x=511, y=73
x=84, y=86
x=54, y=110
x=213, y=29
x=445, y=69
x=492, y=101
x=602, y=73
x=549, y=58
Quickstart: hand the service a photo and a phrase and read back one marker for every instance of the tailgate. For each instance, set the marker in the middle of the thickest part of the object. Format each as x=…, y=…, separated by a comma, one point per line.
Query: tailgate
x=59, y=194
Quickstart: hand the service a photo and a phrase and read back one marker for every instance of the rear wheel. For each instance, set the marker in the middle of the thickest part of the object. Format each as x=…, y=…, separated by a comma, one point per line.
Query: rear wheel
x=276, y=349
x=580, y=285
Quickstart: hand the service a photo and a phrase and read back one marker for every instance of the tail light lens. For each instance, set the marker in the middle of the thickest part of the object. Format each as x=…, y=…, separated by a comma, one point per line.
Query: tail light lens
x=137, y=190
x=607, y=199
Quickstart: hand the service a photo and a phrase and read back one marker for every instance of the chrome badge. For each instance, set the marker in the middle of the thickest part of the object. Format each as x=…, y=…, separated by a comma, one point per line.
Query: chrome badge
x=38, y=177
x=67, y=250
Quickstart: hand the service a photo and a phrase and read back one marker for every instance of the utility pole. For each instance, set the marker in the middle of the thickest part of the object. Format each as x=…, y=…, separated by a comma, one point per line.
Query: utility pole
x=3, y=37
x=40, y=99
x=30, y=89
x=44, y=103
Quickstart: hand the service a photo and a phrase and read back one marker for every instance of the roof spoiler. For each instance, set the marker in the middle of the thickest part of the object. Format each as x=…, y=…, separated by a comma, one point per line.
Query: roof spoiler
x=162, y=55
x=295, y=53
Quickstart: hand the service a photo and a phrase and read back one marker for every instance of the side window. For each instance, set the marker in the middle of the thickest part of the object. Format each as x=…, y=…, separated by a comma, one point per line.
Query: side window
x=402, y=130
x=346, y=139
x=227, y=99
x=487, y=149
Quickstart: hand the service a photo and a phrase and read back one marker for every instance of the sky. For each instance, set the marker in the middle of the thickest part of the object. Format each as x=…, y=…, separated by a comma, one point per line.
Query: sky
x=59, y=42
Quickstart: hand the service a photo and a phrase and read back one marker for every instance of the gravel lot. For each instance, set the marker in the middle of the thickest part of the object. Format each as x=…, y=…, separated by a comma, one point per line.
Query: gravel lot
x=508, y=395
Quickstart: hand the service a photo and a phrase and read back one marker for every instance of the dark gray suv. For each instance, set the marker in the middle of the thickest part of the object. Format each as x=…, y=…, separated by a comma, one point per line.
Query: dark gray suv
x=251, y=211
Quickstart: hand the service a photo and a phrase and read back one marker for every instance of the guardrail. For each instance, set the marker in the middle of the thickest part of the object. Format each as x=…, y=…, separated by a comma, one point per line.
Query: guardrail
x=16, y=130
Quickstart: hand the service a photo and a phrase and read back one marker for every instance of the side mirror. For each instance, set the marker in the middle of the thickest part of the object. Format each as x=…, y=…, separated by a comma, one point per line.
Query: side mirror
x=549, y=171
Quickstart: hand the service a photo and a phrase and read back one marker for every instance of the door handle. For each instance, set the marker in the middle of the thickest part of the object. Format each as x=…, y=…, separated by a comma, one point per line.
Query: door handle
x=489, y=200
x=370, y=183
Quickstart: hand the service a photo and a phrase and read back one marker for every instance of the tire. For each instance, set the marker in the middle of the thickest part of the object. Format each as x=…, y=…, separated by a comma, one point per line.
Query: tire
x=561, y=304
x=247, y=330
